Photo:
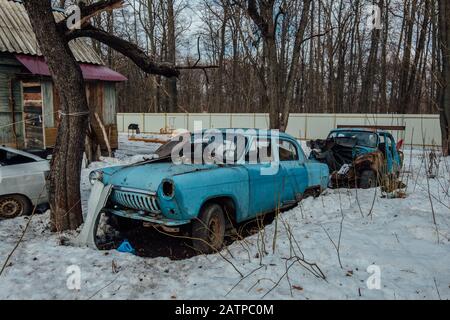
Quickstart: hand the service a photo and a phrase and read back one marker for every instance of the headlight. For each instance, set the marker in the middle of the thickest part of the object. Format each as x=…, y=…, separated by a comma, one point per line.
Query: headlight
x=95, y=176
x=168, y=189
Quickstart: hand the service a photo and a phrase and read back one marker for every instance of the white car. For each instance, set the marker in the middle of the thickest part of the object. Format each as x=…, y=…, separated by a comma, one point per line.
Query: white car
x=22, y=182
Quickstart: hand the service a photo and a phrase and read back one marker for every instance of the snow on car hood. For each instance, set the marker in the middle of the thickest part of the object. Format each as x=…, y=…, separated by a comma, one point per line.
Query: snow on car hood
x=148, y=176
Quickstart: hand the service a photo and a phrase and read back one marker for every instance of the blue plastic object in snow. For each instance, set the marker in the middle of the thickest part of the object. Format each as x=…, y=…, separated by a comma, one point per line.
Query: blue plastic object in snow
x=126, y=247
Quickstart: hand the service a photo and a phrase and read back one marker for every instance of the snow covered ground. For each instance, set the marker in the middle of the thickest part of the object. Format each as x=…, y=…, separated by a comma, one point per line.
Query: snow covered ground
x=397, y=237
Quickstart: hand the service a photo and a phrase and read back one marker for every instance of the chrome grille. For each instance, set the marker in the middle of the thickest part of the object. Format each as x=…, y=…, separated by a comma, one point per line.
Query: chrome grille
x=135, y=200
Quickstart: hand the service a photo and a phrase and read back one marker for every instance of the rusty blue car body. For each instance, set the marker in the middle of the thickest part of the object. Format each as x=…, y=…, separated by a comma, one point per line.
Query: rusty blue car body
x=161, y=192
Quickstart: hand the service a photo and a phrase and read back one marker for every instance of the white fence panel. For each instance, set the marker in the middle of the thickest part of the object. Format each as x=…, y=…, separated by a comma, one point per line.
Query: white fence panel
x=174, y=121
x=202, y=118
x=425, y=129
x=153, y=121
x=242, y=120
x=220, y=120
x=419, y=128
x=120, y=123
x=129, y=118
x=261, y=121
x=318, y=126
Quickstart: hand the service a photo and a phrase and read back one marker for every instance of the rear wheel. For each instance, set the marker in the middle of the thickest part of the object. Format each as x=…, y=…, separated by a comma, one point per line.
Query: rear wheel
x=14, y=206
x=208, y=231
x=368, y=180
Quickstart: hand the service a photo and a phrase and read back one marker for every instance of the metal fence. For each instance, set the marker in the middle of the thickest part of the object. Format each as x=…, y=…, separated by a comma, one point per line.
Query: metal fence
x=420, y=129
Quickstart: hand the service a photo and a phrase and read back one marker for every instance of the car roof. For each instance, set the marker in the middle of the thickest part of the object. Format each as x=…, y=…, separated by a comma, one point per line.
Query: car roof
x=22, y=153
x=361, y=130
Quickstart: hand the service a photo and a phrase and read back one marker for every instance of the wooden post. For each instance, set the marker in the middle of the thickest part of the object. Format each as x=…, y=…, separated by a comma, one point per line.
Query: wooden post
x=105, y=135
x=12, y=108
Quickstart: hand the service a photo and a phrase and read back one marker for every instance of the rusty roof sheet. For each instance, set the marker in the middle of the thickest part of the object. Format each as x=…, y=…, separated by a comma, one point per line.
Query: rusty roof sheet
x=17, y=36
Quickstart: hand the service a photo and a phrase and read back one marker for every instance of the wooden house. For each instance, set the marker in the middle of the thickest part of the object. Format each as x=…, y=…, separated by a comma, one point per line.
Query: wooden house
x=29, y=103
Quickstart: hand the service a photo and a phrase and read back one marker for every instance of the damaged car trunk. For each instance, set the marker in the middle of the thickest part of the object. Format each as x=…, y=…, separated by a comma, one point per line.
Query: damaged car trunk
x=334, y=152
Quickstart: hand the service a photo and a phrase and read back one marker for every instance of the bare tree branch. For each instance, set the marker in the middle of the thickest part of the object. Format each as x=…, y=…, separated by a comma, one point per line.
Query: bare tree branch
x=138, y=56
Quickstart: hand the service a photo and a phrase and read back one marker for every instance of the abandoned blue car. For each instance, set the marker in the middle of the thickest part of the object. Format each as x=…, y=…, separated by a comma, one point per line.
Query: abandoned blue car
x=359, y=157
x=266, y=173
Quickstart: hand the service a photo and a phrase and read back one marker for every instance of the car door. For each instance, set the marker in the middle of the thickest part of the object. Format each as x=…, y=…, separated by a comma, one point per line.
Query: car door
x=24, y=175
x=386, y=143
x=393, y=154
x=295, y=177
x=265, y=178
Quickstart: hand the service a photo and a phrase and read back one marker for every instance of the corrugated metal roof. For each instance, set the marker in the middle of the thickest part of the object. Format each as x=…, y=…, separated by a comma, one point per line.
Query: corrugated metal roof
x=37, y=65
x=17, y=36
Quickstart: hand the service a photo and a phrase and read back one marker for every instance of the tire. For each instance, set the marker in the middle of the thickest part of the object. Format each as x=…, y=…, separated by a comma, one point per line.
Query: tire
x=14, y=206
x=368, y=180
x=101, y=243
x=208, y=231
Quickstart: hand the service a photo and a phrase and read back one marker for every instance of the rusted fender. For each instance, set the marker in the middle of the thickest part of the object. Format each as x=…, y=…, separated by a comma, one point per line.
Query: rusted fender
x=370, y=161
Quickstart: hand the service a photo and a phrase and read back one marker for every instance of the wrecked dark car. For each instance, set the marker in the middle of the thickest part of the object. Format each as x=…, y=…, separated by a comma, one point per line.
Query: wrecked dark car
x=359, y=157
x=207, y=195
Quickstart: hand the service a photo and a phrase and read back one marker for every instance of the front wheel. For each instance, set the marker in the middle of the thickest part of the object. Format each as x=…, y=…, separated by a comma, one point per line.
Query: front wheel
x=208, y=231
x=14, y=206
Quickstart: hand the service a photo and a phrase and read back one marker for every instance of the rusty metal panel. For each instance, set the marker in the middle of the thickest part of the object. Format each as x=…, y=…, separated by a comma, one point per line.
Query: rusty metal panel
x=38, y=66
x=17, y=36
x=373, y=127
x=10, y=122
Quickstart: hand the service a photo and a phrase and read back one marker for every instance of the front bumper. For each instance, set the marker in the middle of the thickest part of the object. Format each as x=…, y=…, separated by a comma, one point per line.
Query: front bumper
x=152, y=218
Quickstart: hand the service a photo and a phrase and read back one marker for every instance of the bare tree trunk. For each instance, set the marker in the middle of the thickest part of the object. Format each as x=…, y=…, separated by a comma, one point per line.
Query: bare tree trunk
x=413, y=81
x=220, y=72
x=68, y=155
x=366, y=102
x=383, y=106
x=279, y=89
x=444, y=28
x=294, y=66
x=171, y=55
x=410, y=13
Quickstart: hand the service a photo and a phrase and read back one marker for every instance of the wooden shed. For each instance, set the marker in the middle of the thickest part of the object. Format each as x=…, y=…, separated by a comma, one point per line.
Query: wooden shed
x=29, y=103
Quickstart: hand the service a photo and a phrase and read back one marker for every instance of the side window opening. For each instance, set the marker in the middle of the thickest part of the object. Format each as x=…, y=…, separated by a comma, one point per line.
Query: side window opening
x=386, y=141
x=390, y=142
x=9, y=159
x=260, y=152
x=288, y=151
x=382, y=145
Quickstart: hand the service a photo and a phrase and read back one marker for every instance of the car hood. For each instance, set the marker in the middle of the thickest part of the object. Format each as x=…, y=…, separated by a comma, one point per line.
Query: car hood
x=148, y=176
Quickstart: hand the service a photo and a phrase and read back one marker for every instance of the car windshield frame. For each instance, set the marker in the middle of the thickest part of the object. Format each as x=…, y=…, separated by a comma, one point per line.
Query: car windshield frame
x=359, y=141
